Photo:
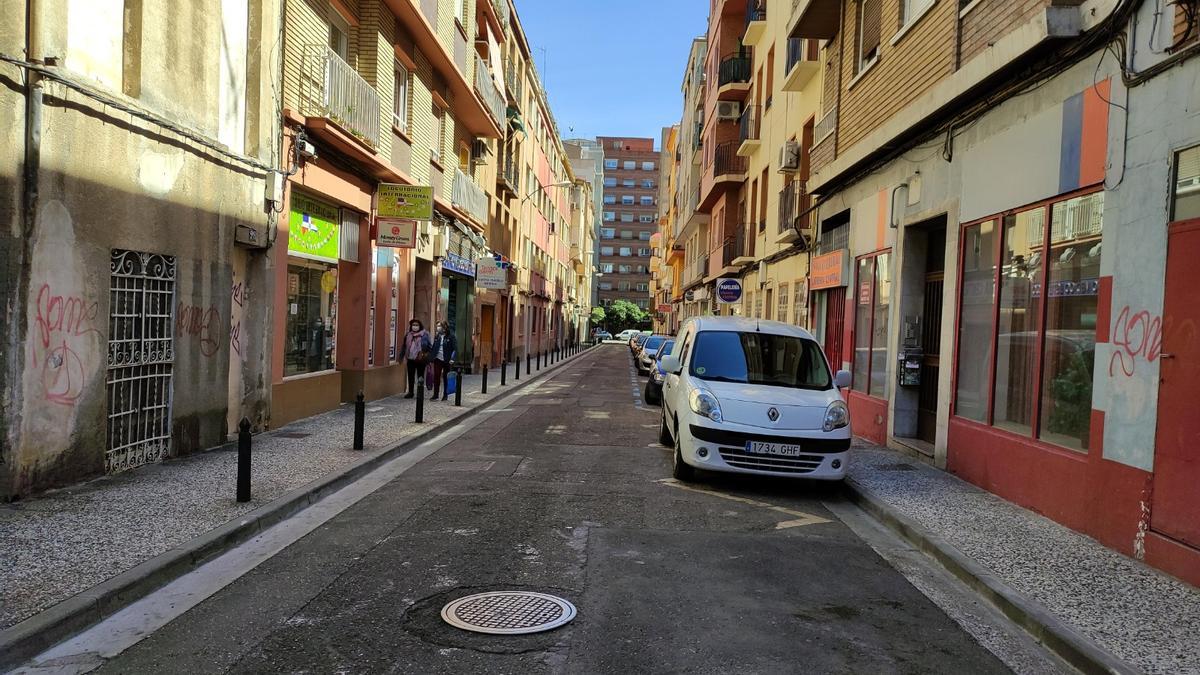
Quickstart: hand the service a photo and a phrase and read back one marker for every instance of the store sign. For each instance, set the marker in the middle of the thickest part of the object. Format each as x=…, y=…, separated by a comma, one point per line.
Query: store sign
x=825, y=271
x=864, y=293
x=412, y=202
x=313, y=229
x=490, y=274
x=664, y=308
x=456, y=263
x=729, y=291
x=396, y=233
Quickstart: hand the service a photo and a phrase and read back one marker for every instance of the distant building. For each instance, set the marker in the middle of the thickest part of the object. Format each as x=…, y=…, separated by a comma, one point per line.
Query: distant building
x=629, y=211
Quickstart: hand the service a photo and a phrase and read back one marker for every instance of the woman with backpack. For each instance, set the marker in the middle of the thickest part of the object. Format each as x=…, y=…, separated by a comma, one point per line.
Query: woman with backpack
x=444, y=351
x=416, y=352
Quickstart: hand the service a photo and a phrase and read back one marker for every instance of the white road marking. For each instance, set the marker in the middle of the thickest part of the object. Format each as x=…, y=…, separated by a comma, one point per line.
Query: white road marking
x=801, y=518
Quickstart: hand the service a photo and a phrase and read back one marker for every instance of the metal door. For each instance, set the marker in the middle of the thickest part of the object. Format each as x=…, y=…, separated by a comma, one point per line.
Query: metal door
x=1175, y=510
x=141, y=353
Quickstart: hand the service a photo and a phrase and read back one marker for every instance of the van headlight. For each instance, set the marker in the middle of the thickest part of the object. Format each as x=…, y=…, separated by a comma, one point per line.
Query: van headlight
x=704, y=403
x=837, y=415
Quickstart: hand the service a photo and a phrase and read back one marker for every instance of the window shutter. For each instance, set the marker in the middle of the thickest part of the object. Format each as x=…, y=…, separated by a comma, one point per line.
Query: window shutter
x=871, y=25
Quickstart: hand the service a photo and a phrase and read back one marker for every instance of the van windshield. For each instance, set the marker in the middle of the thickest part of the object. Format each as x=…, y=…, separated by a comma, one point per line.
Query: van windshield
x=760, y=358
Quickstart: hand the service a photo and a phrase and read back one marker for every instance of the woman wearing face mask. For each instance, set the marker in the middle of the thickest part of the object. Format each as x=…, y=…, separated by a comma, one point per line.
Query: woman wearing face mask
x=444, y=351
x=416, y=351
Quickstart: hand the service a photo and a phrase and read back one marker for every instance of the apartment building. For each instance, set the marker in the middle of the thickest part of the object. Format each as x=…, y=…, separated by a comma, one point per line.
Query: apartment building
x=999, y=189
x=133, y=223
x=689, y=229
x=587, y=163
x=661, y=278
x=630, y=218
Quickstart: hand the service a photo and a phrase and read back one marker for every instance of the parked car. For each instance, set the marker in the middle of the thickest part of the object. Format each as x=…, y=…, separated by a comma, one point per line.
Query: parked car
x=653, y=393
x=635, y=344
x=751, y=396
x=601, y=336
x=645, y=355
x=626, y=335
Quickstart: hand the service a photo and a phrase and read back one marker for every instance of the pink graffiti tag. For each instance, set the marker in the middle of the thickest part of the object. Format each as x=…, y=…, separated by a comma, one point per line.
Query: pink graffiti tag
x=59, y=320
x=198, y=322
x=69, y=316
x=1134, y=335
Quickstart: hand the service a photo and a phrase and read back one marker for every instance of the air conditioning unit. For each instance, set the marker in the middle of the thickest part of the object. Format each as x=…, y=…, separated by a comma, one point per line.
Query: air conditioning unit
x=728, y=111
x=479, y=151
x=789, y=157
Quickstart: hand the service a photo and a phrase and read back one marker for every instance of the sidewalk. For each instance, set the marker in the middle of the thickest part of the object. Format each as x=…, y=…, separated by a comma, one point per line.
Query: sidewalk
x=66, y=541
x=1144, y=618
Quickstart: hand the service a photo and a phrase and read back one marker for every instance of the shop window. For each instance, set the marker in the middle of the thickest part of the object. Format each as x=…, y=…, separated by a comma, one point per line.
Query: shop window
x=1044, y=330
x=873, y=297
x=1186, y=203
x=311, y=314
x=784, y=298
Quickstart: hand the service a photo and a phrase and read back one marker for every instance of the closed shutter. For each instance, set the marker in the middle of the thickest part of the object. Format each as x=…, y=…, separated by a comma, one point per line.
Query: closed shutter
x=870, y=24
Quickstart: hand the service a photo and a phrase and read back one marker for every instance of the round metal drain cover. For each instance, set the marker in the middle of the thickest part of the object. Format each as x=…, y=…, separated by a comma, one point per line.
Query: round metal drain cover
x=508, y=612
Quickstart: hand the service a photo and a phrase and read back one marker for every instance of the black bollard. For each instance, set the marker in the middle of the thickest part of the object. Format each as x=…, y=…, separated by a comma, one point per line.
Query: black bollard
x=528, y=357
x=539, y=360
x=243, y=471
x=483, y=390
x=517, y=370
x=458, y=386
x=360, y=412
x=421, y=401
x=503, y=372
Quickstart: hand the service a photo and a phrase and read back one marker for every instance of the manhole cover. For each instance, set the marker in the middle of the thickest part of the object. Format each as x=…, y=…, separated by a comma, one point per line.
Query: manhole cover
x=508, y=612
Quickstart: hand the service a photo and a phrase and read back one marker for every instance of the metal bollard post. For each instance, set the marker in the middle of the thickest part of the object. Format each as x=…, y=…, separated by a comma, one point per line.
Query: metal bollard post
x=503, y=372
x=421, y=400
x=539, y=360
x=527, y=359
x=458, y=386
x=360, y=412
x=243, y=471
x=483, y=390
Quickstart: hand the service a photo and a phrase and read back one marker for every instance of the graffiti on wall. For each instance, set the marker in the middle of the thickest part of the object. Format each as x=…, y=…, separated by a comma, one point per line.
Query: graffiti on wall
x=200, y=323
x=1135, y=335
x=238, y=296
x=61, y=323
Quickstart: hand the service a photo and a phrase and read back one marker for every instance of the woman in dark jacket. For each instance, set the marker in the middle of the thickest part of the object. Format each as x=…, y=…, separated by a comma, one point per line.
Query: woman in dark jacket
x=416, y=351
x=444, y=351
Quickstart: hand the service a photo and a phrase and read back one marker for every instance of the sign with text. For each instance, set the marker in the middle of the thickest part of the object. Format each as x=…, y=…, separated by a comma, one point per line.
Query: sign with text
x=825, y=271
x=458, y=264
x=313, y=229
x=396, y=233
x=490, y=275
x=729, y=291
x=411, y=202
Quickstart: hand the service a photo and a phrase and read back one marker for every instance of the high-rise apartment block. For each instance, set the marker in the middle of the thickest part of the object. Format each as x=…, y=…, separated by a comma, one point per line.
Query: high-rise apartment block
x=629, y=214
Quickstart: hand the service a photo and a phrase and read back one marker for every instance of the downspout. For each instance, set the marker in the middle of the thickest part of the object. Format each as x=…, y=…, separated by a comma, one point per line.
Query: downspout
x=33, y=122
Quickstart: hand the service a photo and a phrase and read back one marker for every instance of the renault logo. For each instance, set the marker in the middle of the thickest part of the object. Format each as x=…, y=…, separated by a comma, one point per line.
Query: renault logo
x=773, y=414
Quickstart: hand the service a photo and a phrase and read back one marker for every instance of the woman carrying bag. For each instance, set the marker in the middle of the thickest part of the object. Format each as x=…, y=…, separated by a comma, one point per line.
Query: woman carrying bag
x=444, y=351
x=416, y=351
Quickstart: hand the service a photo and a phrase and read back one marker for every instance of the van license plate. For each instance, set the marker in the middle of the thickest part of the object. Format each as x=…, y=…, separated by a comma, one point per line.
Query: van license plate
x=783, y=449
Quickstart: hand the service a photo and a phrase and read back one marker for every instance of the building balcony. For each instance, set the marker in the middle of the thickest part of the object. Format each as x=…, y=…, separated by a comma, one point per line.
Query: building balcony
x=756, y=22
x=485, y=87
x=675, y=253
x=466, y=195
x=514, y=83
x=803, y=62
x=746, y=250
x=726, y=169
x=507, y=173
x=697, y=271
x=750, y=133
x=733, y=250
x=824, y=150
x=795, y=220
x=816, y=19
x=733, y=76
x=330, y=88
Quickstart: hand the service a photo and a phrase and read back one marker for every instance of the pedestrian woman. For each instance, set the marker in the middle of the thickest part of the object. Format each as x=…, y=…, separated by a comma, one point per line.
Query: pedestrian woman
x=444, y=351
x=416, y=351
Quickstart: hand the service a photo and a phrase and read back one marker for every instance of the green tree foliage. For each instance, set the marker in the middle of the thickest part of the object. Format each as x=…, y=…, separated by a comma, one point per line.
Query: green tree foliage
x=623, y=314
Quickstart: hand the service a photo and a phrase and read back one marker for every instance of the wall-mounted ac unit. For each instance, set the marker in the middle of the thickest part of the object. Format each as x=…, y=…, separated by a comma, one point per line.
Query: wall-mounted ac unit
x=728, y=111
x=789, y=157
x=479, y=151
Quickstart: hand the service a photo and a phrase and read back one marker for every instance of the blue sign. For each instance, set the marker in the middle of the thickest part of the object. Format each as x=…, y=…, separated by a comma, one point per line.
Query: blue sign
x=729, y=291
x=458, y=264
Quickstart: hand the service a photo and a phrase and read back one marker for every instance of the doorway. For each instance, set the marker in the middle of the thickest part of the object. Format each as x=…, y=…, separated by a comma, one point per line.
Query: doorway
x=1175, y=510
x=922, y=298
x=487, y=318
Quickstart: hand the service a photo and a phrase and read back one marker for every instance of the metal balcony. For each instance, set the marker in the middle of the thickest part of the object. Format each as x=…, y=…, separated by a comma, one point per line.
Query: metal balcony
x=733, y=248
x=733, y=75
x=803, y=62
x=794, y=218
x=486, y=88
x=816, y=19
x=514, y=82
x=826, y=126
x=726, y=162
x=750, y=132
x=756, y=22
x=330, y=88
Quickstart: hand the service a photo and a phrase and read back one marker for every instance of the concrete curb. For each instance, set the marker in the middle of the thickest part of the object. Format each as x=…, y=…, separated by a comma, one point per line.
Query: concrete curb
x=25, y=640
x=1053, y=633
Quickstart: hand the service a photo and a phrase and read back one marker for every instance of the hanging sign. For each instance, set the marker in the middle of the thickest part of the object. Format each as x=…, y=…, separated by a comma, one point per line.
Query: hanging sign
x=313, y=229
x=413, y=202
x=490, y=275
x=729, y=291
x=825, y=271
x=396, y=233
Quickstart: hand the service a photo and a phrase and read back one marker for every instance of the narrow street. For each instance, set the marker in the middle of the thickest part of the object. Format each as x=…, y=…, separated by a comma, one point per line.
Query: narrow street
x=566, y=492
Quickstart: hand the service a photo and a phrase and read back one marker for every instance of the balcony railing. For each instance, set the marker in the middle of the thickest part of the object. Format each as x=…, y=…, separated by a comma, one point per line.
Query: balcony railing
x=735, y=68
x=514, y=81
x=467, y=195
x=827, y=125
x=330, y=88
x=733, y=248
x=727, y=161
x=700, y=267
x=750, y=123
x=487, y=90
x=699, y=137
x=756, y=10
x=793, y=207
x=501, y=8
x=800, y=49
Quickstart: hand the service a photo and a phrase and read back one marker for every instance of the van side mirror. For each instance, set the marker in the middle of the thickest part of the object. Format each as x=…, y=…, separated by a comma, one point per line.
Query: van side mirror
x=842, y=379
x=671, y=364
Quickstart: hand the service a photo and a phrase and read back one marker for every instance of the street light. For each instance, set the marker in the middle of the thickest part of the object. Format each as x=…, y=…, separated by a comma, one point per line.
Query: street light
x=565, y=183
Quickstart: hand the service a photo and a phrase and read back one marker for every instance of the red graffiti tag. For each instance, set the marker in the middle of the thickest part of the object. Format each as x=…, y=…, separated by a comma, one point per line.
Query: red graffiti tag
x=65, y=315
x=59, y=321
x=1134, y=335
x=63, y=375
x=198, y=322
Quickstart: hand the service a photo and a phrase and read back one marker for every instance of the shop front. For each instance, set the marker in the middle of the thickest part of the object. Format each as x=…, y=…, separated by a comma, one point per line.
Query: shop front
x=826, y=304
x=456, y=303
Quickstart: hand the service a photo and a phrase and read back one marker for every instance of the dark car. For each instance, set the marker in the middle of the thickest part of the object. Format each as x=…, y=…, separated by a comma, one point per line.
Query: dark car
x=654, y=384
x=645, y=354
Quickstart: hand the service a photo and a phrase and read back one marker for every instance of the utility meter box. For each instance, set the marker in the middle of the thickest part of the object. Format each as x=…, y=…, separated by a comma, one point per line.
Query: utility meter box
x=909, y=368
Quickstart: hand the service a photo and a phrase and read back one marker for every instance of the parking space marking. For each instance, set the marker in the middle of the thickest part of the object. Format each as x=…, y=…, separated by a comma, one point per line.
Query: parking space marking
x=800, y=520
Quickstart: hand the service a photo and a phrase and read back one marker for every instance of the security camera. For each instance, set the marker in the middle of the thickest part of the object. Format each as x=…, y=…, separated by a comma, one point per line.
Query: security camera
x=306, y=149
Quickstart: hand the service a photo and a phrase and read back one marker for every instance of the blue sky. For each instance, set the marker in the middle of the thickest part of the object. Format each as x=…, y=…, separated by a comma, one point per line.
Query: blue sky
x=595, y=48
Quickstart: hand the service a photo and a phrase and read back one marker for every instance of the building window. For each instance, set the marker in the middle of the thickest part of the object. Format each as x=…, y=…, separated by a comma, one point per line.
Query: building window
x=460, y=11
x=610, y=199
x=606, y=268
x=606, y=250
x=606, y=285
x=647, y=166
x=647, y=183
x=911, y=10
x=873, y=298
x=626, y=217
x=626, y=251
x=627, y=234
x=610, y=182
x=608, y=232
x=644, y=235
x=610, y=216
x=643, y=286
x=435, y=153
x=624, y=269
x=644, y=252
x=1046, y=263
x=645, y=219
x=629, y=182
x=643, y=303
x=610, y=164
x=647, y=201
x=311, y=316
x=869, y=21
x=400, y=100
x=1186, y=204
x=624, y=286
x=626, y=199
x=629, y=165
x=784, y=299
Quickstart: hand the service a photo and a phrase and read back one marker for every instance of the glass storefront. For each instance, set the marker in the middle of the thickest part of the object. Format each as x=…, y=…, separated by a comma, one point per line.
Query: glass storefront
x=311, y=317
x=873, y=300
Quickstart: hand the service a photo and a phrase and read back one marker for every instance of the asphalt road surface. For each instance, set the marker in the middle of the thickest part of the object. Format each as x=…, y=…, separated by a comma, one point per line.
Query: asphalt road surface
x=565, y=491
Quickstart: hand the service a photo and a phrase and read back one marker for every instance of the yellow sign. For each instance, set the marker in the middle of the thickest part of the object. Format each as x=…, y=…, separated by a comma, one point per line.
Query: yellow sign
x=412, y=202
x=329, y=281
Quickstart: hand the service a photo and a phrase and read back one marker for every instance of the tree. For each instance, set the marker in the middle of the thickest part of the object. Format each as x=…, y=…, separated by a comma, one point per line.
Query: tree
x=623, y=314
x=597, y=317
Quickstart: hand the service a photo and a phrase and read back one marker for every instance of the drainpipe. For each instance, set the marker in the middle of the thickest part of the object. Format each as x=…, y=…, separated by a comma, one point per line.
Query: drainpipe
x=33, y=118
